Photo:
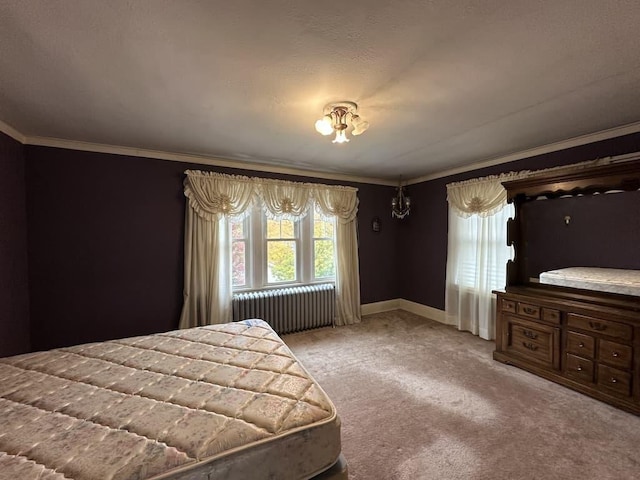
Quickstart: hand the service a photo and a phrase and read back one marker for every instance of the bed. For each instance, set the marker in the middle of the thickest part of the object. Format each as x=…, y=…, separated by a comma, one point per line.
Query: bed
x=612, y=280
x=225, y=401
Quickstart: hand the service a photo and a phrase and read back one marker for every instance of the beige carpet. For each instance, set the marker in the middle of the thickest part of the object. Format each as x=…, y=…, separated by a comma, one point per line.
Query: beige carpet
x=420, y=400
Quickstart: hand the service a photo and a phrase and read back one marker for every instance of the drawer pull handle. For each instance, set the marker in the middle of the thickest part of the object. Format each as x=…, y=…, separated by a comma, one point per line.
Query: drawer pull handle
x=614, y=380
x=581, y=345
x=579, y=368
x=597, y=326
x=530, y=311
x=615, y=354
x=530, y=346
x=529, y=334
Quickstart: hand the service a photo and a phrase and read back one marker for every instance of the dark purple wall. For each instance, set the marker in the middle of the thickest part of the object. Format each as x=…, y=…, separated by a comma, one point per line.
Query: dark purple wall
x=105, y=239
x=106, y=244
x=14, y=296
x=423, y=240
x=604, y=231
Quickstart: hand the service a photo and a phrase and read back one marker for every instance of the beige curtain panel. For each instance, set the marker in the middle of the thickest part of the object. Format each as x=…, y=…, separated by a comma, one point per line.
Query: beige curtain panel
x=480, y=196
x=342, y=203
x=284, y=200
x=213, y=198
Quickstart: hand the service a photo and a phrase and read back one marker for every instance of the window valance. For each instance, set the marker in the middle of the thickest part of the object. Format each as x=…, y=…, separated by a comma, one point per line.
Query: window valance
x=340, y=202
x=480, y=196
x=282, y=199
x=214, y=195
x=485, y=196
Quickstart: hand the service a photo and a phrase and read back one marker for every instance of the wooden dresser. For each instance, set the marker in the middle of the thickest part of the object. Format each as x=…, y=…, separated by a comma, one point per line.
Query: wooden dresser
x=583, y=339
x=594, y=349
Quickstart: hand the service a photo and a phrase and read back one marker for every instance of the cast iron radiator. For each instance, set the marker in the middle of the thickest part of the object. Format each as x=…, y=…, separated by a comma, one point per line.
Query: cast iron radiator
x=288, y=309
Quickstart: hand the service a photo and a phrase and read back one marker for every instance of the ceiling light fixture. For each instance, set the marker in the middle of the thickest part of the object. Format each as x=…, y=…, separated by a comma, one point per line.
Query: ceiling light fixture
x=338, y=117
x=401, y=203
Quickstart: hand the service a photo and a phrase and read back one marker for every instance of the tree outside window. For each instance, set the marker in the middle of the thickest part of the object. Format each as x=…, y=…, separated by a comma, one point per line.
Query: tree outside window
x=281, y=251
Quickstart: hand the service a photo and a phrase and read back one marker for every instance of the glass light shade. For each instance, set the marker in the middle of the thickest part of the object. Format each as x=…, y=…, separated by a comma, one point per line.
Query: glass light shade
x=341, y=137
x=361, y=127
x=323, y=126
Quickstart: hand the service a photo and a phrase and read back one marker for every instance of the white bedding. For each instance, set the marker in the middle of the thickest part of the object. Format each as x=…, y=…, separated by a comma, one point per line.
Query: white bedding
x=611, y=280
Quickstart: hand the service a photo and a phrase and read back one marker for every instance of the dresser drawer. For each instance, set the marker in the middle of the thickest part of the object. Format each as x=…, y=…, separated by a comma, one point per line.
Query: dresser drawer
x=615, y=354
x=614, y=380
x=530, y=311
x=533, y=341
x=508, y=305
x=551, y=315
x=581, y=344
x=599, y=325
x=579, y=368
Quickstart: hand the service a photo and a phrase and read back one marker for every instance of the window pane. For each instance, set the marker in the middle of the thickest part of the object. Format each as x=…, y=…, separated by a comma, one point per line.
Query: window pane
x=281, y=229
x=273, y=229
x=281, y=261
x=324, y=265
x=322, y=229
x=238, y=255
x=237, y=230
x=287, y=229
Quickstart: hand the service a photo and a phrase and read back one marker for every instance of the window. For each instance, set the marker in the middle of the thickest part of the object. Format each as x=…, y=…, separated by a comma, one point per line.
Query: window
x=477, y=255
x=480, y=247
x=282, y=247
x=324, y=265
x=269, y=252
x=239, y=250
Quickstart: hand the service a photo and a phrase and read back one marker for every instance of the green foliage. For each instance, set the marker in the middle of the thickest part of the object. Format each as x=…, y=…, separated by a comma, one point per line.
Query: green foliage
x=322, y=229
x=281, y=260
x=280, y=229
x=324, y=265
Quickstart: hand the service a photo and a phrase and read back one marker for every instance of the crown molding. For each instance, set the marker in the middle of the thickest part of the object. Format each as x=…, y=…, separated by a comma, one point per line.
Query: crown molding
x=256, y=167
x=551, y=147
x=199, y=159
x=12, y=132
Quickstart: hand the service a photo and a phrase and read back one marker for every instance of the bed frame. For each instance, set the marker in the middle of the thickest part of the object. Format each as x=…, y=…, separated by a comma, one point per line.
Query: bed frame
x=586, y=340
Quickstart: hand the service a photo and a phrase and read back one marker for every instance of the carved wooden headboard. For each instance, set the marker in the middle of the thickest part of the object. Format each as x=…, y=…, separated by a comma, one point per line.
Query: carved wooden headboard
x=571, y=180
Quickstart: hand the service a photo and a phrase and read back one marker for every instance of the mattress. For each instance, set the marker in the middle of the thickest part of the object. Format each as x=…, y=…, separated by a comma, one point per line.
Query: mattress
x=611, y=280
x=226, y=401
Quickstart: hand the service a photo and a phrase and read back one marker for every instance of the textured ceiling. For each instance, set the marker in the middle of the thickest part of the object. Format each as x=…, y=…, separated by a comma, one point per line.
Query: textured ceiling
x=443, y=83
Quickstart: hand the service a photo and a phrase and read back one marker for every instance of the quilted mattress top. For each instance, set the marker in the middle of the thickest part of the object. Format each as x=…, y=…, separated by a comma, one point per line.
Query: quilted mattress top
x=146, y=407
x=612, y=280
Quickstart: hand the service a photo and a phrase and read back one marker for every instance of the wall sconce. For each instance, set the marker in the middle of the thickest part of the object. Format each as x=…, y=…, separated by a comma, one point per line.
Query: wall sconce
x=337, y=118
x=401, y=203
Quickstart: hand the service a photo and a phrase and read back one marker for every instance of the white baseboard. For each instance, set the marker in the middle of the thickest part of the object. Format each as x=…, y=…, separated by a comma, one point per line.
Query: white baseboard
x=379, y=307
x=423, y=310
x=402, y=304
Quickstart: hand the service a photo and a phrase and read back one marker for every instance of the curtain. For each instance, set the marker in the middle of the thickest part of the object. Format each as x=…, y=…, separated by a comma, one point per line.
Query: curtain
x=477, y=257
x=342, y=203
x=477, y=252
x=214, y=198
x=284, y=200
